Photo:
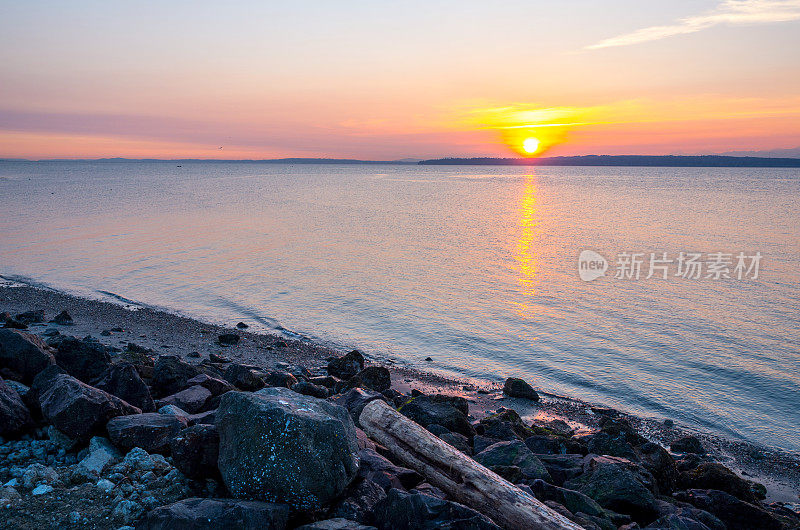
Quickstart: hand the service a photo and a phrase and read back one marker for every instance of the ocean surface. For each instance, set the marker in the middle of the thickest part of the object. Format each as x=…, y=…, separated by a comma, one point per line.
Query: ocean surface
x=476, y=267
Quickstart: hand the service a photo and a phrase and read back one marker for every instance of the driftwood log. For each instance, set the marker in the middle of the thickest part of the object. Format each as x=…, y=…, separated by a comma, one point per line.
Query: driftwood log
x=462, y=478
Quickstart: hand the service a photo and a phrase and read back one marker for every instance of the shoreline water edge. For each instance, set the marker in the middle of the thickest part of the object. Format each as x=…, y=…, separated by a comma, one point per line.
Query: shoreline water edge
x=116, y=415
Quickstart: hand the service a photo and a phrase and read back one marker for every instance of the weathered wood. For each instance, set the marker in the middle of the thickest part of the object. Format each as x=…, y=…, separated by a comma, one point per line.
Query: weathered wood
x=462, y=478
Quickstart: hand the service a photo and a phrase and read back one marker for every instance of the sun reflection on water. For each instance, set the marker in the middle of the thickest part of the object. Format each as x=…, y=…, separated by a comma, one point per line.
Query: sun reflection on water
x=527, y=250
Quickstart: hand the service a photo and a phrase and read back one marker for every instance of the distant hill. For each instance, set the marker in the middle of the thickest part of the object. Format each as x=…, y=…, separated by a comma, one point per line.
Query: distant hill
x=625, y=160
x=264, y=161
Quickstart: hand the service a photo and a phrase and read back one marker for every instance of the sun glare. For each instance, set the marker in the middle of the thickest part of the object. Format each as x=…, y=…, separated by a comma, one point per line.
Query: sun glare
x=530, y=145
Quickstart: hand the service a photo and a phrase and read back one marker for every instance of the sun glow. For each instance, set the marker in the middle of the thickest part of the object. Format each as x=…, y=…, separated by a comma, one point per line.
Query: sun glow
x=530, y=145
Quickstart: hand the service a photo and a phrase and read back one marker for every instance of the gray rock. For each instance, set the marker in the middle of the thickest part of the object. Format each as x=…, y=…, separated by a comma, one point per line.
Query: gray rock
x=448, y=411
x=212, y=514
x=195, y=451
x=347, y=366
x=518, y=388
x=217, y=387
x=310, y=389
x=281, y=446
x=37, y=474
x=355, y=399
x=14, y=415
x=150, y=431
x=23, y=355
x=415, y=511
x=126, y=512
x=42, y=489
x=123, y=380
x=734, y=513
x=79, y=410
x=373, y=377
x=244, y=377
x=64, y=319
x=572, y=500
x=514, y=453
x=83, y=359
x=101, y=455
x=688, y=444
x=192, y=400
x=170, y=375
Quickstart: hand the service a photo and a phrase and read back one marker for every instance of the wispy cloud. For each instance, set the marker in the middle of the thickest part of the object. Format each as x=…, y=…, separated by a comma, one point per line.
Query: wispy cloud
x=732, y=12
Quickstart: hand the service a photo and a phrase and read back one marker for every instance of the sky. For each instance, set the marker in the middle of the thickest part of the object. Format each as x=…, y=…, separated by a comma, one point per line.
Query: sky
x=392, y=80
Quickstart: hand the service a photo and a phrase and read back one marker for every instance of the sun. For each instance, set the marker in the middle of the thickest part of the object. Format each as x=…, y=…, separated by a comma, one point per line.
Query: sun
x=530, y=145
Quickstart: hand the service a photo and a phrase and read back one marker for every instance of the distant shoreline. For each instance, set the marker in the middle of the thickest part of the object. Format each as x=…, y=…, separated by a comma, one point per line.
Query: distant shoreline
x=582, y=160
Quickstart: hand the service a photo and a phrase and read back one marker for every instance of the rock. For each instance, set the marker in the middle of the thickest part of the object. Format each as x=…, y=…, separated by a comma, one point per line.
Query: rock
x=83, y=359
x=197, y=514
x=244, y=377
x=480, y=443
x=736, y=514
x=126, y=512
x=661, y=465
x=280, y=378
x=517, y=388
x=170, y=375
x=79, y=410
x=14, y=415
x=514, y=453
x=22, y=355
x=228, y=339
x=217, y=358
x=416, y=511
x=347, y=366
x=688, y=444
x=603, y=443
x=459, y=441
x=31, y=317
x=37, y=474
x=609, y=482
x=217, y=387
x=42, y=489
x=281, y=446
x=711, y=475
x=310, y=389
x=193, y=400
x=150, y=431
x=358, y=501
x=374, y=377
x=355, y=399
x=101, y=455
x=242, y=325
x=506, y=425
x=335, y=524
x=448, y=411
x=172, y=410
x=63, y=319
x=138, y=459
x=573, y=501
x=544, y=444
x=123, y=380
x=381, y=471
x=208, y=417
x=9, y=495
x=195, y=451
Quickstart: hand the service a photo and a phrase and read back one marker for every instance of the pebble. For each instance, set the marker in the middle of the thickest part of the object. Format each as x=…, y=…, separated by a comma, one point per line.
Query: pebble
x=42, y=489
x=105, y=485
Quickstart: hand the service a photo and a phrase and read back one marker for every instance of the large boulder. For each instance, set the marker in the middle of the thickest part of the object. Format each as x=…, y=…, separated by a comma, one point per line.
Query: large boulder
x=195, y=451
x=615, y=486
x=22, y=355
x=373, y=377
x=211, y=514
x=416, y=511
x=355, y=399
x=170, y=375
x=448, y=411
x=518, y=388
x=150, y=431
x=513, y=453
x=14, y=415
x=84, y=359
x=123, y=380
x=193, y=400
x=244, y=377
x=347, y=366
x=714, y=476
x=661, y=465
x=735, y=513
x=381, y=471
x=281, y=446
x=79, y=410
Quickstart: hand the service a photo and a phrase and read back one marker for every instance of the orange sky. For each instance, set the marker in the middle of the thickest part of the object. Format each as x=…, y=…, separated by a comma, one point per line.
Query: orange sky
x=360, y=80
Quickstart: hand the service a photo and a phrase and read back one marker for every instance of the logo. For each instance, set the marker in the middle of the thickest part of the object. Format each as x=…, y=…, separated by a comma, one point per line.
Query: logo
x=591, y=265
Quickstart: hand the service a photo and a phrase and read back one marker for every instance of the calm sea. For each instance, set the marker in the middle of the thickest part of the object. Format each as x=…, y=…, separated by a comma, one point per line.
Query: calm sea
x=476, y=267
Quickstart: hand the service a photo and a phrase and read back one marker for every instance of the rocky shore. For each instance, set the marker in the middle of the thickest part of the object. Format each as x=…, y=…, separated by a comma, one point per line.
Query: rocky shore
x=129, y=417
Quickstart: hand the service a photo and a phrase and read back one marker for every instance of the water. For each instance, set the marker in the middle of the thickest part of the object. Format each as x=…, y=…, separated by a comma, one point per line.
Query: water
x=475, y=267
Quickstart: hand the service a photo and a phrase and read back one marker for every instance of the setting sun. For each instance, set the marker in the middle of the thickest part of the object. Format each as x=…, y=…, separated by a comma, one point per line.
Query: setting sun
x=530, y=145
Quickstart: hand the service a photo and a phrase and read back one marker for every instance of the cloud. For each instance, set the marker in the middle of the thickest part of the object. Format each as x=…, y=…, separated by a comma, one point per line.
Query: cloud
x=732, y=12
